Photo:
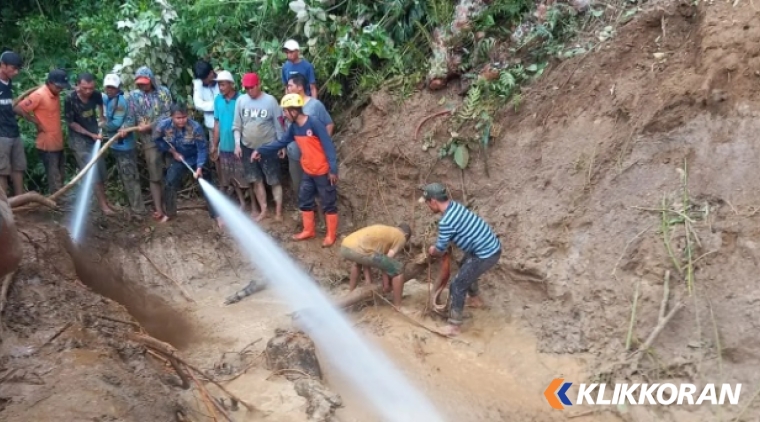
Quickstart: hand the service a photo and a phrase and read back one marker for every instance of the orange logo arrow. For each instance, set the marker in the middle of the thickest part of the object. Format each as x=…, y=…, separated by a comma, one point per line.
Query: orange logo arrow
x=550, y=393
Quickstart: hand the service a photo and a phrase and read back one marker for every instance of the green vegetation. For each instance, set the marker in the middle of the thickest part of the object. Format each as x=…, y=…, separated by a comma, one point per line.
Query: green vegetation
x=356, y=46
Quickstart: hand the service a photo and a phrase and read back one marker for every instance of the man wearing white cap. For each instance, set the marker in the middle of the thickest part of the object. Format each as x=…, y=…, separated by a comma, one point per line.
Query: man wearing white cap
x=229, y=166
x=123, y=150
x=297, y=64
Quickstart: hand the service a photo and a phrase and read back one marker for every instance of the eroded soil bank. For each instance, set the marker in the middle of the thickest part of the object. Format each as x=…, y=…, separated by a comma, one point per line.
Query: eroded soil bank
x=578, y=180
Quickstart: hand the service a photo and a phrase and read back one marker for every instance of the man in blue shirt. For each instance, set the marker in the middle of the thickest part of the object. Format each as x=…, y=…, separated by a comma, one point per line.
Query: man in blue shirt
x=229, y=166
x=297, y=64
x=123, y=150
x=185, y=139
x=470, y=233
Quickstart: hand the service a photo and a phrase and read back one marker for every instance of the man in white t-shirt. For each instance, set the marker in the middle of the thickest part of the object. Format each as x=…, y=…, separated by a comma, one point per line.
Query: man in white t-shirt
x=205, y=90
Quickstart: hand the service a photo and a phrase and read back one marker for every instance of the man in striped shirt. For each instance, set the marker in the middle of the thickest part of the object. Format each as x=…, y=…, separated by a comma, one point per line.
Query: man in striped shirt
x=470, y=233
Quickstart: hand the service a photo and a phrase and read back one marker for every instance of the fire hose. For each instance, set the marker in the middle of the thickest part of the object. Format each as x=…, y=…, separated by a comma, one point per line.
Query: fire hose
x=441, y=284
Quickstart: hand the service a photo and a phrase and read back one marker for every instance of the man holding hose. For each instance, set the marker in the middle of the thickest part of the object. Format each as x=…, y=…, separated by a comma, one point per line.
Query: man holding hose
x=123, y=150
x=83, y=110
x=471, y=234
x=185, y=140
x=148, y=104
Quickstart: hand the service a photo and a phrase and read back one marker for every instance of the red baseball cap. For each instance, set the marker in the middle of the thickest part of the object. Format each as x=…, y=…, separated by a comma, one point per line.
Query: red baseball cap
x=250, y=80
x=142, y=80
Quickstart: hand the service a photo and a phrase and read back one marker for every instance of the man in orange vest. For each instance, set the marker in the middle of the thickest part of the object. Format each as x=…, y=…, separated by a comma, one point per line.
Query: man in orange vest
x=320, y=167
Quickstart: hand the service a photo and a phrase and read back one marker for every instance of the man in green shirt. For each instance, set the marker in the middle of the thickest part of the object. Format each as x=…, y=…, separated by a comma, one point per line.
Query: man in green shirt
x=229, y=165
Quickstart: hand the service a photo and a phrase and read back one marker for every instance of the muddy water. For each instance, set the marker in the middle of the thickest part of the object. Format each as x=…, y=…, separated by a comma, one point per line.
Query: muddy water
x=159, y=318
x=498, y=376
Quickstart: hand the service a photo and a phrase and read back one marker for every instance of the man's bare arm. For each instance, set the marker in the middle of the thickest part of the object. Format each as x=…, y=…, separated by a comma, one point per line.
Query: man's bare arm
x=76, y=127
x=29, y=117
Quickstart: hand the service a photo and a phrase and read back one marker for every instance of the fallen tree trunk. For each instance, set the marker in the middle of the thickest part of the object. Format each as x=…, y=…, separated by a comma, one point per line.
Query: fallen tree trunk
x=365, y=293
x=361, y=294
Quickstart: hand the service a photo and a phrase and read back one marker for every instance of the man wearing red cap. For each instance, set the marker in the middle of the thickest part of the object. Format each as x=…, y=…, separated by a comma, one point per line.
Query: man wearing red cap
x=257, y=122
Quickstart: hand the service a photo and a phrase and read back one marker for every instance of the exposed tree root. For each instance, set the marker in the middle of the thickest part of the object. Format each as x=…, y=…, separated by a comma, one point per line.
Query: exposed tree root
x=172, y=356
x=425, y=119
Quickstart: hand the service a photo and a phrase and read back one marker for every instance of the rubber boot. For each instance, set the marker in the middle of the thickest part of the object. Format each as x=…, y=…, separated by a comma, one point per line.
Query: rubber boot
x=308, y=226
x=332, y=230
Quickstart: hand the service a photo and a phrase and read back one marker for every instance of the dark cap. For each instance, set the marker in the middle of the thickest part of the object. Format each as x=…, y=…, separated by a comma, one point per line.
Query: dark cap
x=59, y=78
x=434, y=191
x=11, y=58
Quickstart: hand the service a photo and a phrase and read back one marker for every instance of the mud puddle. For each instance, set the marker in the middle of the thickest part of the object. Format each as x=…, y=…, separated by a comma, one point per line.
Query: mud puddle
x=497, y=376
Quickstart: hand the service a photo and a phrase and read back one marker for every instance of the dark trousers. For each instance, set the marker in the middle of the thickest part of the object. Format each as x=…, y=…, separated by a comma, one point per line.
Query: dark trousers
x=53, y=161
x=126, y=163
x=175, y=175
x=311, y=186
x=466, y=281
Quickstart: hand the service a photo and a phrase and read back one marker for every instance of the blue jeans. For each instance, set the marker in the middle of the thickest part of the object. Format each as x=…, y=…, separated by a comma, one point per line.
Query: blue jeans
x=466, y=282
x=311, y=186
x=175, y=175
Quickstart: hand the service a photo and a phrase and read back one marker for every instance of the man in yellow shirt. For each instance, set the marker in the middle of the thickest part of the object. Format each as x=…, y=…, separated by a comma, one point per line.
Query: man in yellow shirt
x=376, y=246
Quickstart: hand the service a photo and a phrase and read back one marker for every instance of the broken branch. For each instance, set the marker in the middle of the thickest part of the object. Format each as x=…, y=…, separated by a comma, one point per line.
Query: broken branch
x=417, y=323
x=171, y=353
x=653, y=336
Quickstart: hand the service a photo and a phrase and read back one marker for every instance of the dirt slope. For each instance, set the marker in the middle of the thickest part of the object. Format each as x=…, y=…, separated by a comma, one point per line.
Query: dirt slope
x=598, y=139
x=574, y=177
x=64, y=352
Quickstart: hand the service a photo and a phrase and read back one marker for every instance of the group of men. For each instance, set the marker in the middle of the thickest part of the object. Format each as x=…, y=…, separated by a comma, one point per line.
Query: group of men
x=250, y=133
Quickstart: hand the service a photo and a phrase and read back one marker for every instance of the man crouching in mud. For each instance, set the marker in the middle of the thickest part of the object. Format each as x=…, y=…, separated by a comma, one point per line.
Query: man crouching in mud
x=471, y=234
x=10, y=245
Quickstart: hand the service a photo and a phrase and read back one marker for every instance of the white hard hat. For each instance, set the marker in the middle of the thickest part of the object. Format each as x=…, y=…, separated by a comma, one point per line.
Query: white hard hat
x=112, y=80
x=291, y=45
x=224, y=76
